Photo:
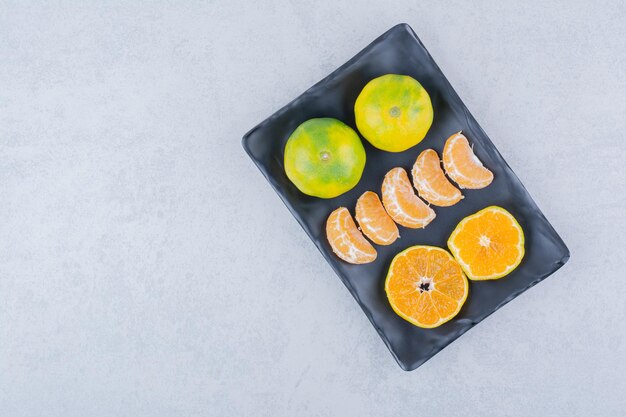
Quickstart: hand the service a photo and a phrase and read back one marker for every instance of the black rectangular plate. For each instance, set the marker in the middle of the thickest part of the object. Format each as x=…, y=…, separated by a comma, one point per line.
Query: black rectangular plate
x=399, y=51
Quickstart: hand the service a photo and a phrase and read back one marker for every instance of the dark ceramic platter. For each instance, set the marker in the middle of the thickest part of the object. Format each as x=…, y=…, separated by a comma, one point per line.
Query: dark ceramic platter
x=399, y=51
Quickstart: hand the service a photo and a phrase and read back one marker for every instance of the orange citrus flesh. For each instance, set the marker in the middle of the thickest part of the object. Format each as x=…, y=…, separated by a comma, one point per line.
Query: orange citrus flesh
x=426, y=286
x=462, y=165
x=430, y=181
x=400, y=201
x=374, y=221
x=346, y=240
x=488, y=244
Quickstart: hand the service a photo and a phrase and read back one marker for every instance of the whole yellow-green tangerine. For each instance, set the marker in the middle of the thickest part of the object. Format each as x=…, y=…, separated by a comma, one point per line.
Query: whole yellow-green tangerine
x=324, y=158
x=393, y=112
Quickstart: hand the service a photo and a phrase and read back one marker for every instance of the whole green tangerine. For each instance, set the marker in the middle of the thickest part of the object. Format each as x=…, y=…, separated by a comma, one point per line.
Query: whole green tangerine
x=393, y=112
x=324, y=157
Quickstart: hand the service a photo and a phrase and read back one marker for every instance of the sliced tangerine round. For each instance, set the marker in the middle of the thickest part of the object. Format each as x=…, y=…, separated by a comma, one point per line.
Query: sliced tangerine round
x=462, y=165
x=488, y=244
x=400, y=201
x=374, y=221
x=346, y=240
x=426, y=286
x=430, y=181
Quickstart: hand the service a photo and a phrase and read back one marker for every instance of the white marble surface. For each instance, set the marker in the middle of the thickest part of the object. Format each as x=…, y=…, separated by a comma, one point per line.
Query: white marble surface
x=147, y=268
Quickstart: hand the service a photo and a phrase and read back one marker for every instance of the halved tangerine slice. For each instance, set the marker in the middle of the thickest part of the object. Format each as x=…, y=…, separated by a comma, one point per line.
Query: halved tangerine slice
x=430, y=181
x=462, y=165
x=488, y=244
x=374, y=221
x=346, y=240
x=426, y=286
x=400, y=201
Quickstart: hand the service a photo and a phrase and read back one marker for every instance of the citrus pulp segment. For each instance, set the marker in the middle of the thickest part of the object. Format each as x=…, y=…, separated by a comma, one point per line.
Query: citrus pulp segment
x=462, y=165
x=346, y=240
x=430, y=181
x=374, y=221
x=400, y=201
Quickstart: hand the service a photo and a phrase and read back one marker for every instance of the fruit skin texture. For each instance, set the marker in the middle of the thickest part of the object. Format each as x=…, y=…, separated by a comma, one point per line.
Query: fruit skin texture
x=324, y=158
x=447, y=286
x=430, y=181
x=346, y=240
x=374, y=221
x=462, y=165
x=488, y=244
x=400, y=201
x=393, y=112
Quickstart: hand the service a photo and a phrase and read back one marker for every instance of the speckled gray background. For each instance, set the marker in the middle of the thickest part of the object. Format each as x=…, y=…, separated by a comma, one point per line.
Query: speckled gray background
x=147, y=268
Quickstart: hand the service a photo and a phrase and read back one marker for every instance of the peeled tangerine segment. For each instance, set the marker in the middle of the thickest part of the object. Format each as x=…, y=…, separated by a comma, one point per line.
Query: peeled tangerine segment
x=346, y=240
x=431, y=183
x=400, y=201
x=462, y=165
x=374, y=221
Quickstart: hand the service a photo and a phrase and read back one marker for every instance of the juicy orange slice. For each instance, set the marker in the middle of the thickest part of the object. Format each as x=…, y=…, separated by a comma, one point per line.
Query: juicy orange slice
x=462, y=165
x=488, y=244
x=430, y=181
x=400, y=201
x=374, y=221
x=346, y=240
x=426, y=286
